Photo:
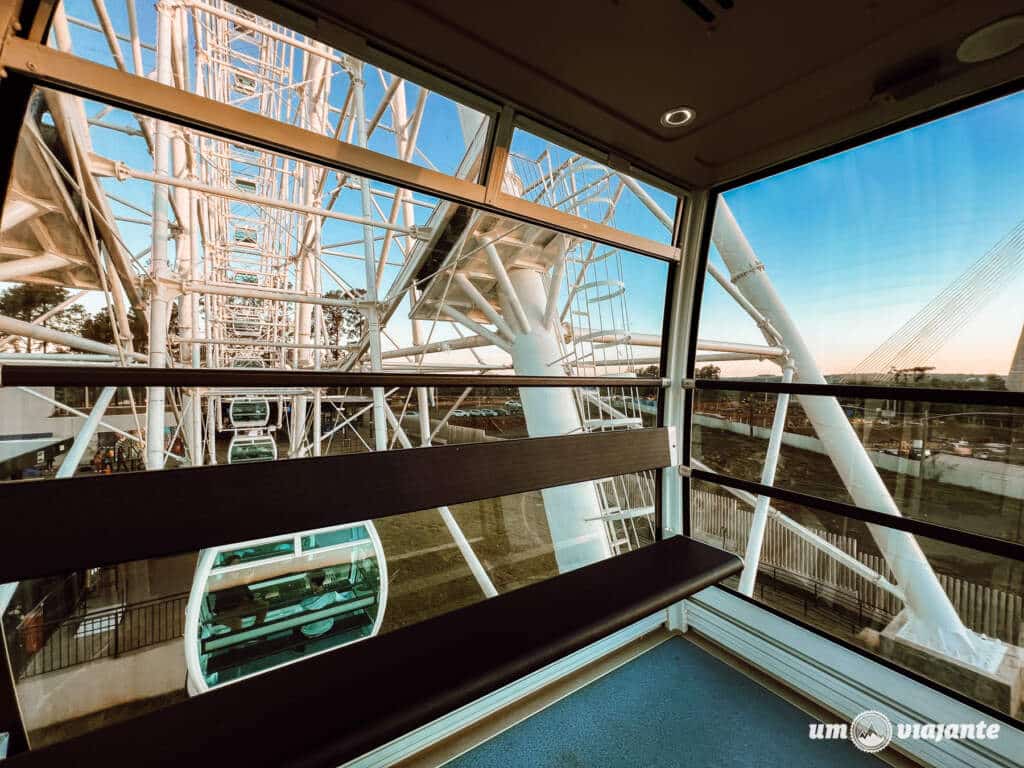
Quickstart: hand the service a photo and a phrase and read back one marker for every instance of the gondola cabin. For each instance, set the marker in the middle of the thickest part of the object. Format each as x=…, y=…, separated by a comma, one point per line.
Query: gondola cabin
x=260, y=604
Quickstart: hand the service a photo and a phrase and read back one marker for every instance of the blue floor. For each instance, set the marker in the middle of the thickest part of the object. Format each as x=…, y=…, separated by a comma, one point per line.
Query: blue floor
x=673, y=706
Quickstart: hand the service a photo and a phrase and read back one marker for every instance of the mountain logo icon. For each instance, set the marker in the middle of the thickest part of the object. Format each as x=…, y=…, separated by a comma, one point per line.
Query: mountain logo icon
x=871, y=731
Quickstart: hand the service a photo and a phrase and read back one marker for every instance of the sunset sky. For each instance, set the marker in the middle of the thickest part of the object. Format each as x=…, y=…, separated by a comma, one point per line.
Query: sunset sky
x=857, y=243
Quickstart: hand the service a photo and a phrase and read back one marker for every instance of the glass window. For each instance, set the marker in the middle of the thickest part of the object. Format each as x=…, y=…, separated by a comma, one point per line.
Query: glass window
x=960, y=466
x=239, y=58
x=898, y=262
x=247, y=428
x=545, y=173
x=254, y=552
x=854, y=582
x=459, y=291
x=285, y=605
x=334, y=538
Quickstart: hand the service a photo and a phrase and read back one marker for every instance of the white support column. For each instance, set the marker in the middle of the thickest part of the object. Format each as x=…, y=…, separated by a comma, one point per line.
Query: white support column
x=372, y=313
x=187, y=313
x=313, y=119
x=1015, y=378
x=211, y=428
x=159, y=304
x=933, y=620
x=554, y=284
x=677, y=398
x=578, y=537
x=84, y=436
x=755, y=539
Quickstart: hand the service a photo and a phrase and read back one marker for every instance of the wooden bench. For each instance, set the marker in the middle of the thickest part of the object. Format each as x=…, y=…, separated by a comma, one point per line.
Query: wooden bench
x=328, y=709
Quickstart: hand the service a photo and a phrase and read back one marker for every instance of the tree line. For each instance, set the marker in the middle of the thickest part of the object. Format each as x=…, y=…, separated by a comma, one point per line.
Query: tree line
x=27, y=301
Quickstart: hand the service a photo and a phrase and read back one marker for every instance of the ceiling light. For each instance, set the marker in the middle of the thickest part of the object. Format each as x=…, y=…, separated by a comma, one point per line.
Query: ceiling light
x=992, y=41
x=677, y=117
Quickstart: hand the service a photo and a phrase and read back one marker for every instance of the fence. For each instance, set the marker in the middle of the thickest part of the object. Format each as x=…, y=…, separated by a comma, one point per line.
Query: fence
x=790, y=560
x=42, y=647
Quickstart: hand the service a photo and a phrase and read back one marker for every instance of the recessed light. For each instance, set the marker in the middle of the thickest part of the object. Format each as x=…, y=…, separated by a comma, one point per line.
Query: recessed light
x=677, y=117
x=991, y=41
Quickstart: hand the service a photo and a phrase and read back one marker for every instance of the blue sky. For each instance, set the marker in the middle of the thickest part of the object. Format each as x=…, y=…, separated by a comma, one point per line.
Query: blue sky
x=858, y=242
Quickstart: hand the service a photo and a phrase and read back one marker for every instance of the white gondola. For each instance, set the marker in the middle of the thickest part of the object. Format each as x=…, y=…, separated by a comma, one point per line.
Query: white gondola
x=261, y=604
x=245, y=449
x=246, y=326
x=248, y=362
x=249, y=412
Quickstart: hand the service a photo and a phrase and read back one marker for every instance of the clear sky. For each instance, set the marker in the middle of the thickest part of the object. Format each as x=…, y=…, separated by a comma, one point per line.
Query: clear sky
x=857, y=243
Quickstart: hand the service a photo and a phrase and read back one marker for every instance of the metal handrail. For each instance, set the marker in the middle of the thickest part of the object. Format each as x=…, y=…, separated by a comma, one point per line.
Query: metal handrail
x=39, y=648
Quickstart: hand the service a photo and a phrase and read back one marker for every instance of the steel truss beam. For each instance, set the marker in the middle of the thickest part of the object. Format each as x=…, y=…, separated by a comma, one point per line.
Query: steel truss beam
x=141, y=376
x=65, y=72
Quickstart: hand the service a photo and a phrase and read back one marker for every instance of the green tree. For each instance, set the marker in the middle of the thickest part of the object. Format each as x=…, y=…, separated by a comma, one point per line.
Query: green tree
x=709, y=395
x=344, y=324
x=709, y=372
x=97, y=327
x=27, y=301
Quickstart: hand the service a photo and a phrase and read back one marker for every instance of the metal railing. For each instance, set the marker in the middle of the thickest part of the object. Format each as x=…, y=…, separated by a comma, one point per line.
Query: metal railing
x=41, y=647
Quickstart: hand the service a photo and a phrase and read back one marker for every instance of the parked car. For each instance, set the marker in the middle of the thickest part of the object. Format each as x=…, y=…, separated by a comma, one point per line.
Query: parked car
x=514, y=406
x=962, y=448
x=992, y=450
x=488, y=412
x=475, y=412
x=918, y=451
x=460, y=412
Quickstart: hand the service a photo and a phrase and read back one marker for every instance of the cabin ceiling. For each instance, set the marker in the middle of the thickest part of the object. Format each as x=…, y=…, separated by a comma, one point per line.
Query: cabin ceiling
x=769, y=80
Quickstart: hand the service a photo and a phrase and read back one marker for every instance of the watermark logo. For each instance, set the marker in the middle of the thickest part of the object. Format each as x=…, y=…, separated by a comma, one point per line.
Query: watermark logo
x=873, y=731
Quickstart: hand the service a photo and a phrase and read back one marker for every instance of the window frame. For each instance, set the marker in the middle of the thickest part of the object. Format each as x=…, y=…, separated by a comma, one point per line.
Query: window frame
x=689, y=386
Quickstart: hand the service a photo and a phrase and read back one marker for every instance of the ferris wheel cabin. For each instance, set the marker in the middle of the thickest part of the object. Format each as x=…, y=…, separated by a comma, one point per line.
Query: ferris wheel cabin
x=261, y=604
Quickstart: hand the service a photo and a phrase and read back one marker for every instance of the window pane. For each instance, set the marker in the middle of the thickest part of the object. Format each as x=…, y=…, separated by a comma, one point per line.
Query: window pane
x=238, y=58
x=960, y=466
x=250, y=553
x=334, y=538
x=863, y=584
x=69, y=636
x=545, y=173
x=232, y=434
x=270, y=280
x=897, y=262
